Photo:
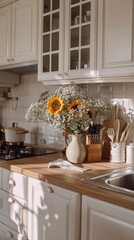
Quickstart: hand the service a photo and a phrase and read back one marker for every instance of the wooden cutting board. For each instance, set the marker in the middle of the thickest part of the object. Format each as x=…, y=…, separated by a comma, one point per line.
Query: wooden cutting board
x=110, y=123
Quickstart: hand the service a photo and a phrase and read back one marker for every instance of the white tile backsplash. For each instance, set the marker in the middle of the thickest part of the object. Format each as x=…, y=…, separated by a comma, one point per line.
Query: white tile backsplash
x=29, y=92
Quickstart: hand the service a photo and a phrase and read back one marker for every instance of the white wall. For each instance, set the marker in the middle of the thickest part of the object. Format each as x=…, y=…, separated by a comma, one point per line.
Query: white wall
x=29, y=91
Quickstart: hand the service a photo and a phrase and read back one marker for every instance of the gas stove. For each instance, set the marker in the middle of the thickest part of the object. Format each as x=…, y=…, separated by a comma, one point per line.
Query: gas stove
x=11, y=151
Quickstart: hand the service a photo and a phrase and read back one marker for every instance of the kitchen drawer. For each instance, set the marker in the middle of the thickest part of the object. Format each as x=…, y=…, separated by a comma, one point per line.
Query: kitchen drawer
x=13, y=211
x=14, y=183
x=7, y=233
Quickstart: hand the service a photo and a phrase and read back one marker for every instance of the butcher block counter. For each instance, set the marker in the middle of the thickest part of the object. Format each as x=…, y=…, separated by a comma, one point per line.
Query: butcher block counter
x=37, y=167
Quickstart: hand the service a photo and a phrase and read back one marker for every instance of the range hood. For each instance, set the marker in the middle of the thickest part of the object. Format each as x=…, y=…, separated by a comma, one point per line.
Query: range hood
x=8, y=79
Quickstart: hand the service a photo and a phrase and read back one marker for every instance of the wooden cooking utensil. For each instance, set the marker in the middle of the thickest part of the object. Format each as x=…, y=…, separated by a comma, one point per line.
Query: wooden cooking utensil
x=117, y=130
x=110, y=122
x=123, y=134
x=128, y=133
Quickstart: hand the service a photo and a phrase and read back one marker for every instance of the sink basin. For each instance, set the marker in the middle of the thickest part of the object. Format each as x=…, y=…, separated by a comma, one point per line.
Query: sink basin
x=121, y=180
x=126, y=181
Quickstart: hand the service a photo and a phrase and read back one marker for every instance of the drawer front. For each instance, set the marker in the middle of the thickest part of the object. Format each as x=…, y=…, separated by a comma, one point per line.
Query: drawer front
x=13, y=211
x=4, y=204
x=7, y=233
x=14, y=183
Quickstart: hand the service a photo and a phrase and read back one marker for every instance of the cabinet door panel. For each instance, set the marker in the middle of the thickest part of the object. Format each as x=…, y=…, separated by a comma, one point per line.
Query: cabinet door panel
x=53, y=212
x=101, y=220
x=109, y=228
x=115, y=38
x=70, y=28
x=24, y=33
x=5, y=34
x=80, y=39
x=51, y=22
x=118, y=31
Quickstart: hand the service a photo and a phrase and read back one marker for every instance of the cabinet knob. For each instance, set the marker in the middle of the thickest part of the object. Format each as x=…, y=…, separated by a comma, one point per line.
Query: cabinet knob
x=11, y=200
x=11, y=182
x=50, y=190
x=8, y=59
x=66, y=74
x=12, y=59
x=9, y=234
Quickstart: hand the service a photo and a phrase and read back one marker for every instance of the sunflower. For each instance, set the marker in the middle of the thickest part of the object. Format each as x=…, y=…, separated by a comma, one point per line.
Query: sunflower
x=74, y=104
x=55, y=105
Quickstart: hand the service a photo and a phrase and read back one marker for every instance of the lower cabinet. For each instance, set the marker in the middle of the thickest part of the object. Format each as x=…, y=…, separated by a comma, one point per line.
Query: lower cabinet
x=105, y=221
x=35, y=210
x=54, y=213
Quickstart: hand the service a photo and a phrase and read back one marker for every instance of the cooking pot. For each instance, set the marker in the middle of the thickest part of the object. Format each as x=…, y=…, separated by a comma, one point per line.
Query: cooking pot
x=15, y=133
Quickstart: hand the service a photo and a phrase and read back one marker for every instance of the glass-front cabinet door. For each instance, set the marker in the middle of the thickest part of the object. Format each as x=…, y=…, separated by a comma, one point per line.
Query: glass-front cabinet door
x=67, y=43
x=81, y=45
x=51, y=39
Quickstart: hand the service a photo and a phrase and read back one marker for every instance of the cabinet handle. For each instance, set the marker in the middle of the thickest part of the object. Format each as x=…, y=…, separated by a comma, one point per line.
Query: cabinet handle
x=50, y=190
x=11, y=200
x=9, y=234
x=11, y=182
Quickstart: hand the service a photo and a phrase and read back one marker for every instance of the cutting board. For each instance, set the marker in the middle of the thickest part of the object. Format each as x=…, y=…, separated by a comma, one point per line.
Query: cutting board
x=110, y=123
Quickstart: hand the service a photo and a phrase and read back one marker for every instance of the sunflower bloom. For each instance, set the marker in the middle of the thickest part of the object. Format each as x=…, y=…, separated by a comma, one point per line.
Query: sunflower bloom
x=55, y=105
x=74, y=104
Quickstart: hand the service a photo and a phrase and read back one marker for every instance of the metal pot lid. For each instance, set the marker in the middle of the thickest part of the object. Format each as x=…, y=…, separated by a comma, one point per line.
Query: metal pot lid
x=15, y=127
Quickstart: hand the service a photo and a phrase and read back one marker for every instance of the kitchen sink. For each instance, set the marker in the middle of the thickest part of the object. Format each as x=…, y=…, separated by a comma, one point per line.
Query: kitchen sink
x=121, y=180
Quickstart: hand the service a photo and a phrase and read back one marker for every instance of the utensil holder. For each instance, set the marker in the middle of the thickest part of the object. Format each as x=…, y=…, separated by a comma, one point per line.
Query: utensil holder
x=94, y=152
x=118, y=152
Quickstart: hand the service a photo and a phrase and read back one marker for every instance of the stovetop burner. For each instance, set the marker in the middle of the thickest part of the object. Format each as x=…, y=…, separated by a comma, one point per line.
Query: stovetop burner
x=11, y=151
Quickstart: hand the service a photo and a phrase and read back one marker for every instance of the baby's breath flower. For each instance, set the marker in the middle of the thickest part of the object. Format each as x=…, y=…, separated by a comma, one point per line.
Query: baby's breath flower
x=67, y=109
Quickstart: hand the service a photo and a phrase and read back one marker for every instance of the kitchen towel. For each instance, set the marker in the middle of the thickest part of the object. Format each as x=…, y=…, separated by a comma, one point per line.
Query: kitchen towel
x=66, y=165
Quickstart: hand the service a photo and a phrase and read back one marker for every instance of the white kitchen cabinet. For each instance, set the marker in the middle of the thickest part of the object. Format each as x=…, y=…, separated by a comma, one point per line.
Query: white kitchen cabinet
x=67, y=40
x=18, y=31
x=54, y=213
x=101, y=220
x=115, y=38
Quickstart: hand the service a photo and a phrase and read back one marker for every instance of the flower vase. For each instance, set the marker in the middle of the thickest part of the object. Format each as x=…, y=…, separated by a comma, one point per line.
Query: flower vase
x=75, y=151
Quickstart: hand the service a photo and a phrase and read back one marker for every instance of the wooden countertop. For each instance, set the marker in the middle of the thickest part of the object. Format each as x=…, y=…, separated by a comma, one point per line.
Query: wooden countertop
x=37, y=167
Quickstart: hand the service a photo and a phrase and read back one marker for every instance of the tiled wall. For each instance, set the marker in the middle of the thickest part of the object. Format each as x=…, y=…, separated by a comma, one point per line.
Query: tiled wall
x=29, y=91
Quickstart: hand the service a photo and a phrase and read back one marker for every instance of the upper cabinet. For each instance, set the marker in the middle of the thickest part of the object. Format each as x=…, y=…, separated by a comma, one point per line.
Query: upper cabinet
x=115, y=38
x=67, y=39
x=18, y=31
x=86, y=40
